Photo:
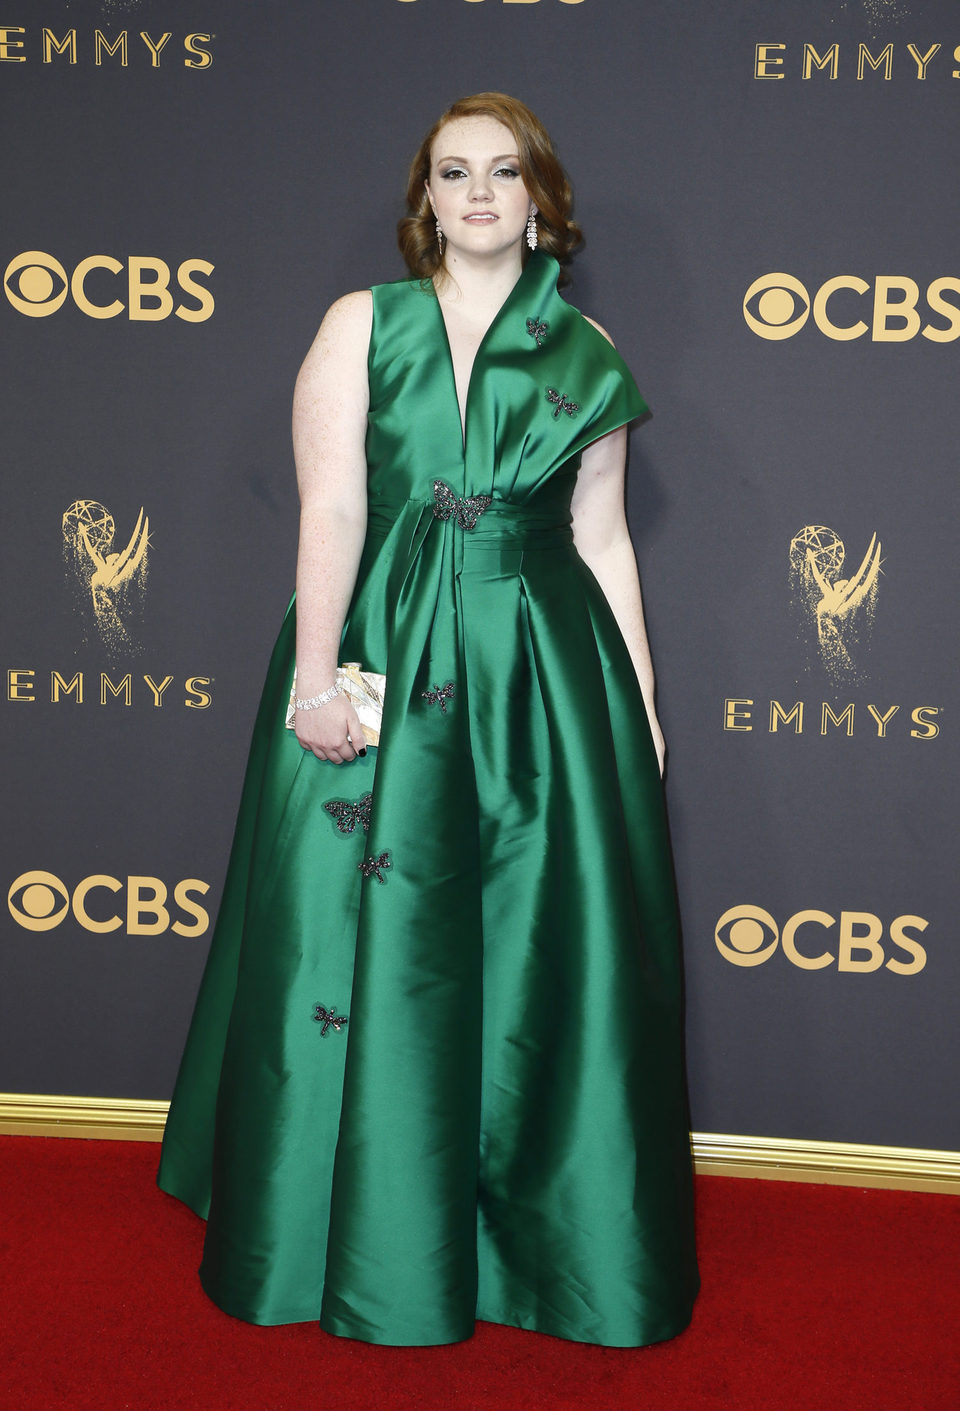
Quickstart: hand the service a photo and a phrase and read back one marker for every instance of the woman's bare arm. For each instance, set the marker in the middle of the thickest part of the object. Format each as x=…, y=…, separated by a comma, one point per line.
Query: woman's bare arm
x=603, y=541
x=329, y=427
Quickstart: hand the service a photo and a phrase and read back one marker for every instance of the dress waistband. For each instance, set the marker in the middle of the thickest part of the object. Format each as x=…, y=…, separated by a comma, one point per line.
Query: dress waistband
x=480, y=519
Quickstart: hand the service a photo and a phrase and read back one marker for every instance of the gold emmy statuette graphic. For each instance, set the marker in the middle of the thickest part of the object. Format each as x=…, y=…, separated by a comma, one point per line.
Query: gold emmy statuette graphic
x=841, y=609
x=110, y=583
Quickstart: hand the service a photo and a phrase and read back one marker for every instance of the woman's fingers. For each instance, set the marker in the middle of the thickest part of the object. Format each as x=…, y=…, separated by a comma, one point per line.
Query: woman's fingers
x=340, y=739
x=344, y=753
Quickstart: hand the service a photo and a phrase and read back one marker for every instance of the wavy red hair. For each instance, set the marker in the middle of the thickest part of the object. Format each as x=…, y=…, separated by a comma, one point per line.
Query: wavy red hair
x=543, y=177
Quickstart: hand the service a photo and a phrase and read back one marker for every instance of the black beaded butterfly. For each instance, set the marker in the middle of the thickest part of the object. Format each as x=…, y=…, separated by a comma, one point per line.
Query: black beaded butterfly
x=466, y=509
x=347, y=815
x=537, y=330
x=562, y=405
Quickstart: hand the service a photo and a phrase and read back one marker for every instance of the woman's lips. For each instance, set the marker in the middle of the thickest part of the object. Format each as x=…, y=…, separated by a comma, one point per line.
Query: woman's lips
x=481, y=218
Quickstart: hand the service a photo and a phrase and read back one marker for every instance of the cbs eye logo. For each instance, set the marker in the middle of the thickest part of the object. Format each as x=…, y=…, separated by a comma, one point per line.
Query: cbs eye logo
x=43, y=903
x=781, y=306
x=36, y=284
x=747, y=936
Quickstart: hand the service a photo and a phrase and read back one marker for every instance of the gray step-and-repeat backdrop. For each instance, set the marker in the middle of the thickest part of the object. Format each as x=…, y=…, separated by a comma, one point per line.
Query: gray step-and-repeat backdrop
x=770, y=197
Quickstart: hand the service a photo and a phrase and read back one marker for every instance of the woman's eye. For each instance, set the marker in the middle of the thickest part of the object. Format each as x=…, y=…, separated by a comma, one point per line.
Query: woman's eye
x=452, y=174
x=506, y=171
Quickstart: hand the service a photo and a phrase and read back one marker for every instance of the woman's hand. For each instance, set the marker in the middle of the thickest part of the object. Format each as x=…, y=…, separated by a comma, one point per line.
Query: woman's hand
x=332, y=732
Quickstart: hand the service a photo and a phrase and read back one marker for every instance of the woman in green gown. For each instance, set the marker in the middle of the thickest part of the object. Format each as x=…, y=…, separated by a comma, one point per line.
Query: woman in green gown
x=435, y=1071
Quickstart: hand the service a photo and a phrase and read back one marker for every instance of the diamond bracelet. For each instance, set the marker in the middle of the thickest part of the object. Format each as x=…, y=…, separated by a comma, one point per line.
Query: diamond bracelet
x=313, y=702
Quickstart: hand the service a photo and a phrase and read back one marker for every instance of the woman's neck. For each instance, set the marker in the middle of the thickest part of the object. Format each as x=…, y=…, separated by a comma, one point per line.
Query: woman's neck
x=478, y=286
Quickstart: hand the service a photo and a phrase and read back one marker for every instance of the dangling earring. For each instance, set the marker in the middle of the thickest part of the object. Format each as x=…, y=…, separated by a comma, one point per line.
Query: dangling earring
x=440, y=235
x=532, y=237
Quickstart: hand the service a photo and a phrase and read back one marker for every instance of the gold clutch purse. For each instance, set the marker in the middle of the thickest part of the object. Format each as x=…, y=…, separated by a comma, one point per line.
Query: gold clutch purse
x=364, y=690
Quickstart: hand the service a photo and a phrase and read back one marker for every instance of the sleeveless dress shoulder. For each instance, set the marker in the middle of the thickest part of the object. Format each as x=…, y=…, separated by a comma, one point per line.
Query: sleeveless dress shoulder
x=435, y=1070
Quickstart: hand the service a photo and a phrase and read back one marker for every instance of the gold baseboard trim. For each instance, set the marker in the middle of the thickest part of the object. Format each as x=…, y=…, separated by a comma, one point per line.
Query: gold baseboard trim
x=830, y=1163
x=759, y=1158
x=123, y=1119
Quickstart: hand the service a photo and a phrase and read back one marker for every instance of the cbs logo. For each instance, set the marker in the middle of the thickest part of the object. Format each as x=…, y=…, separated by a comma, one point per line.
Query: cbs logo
x=776, y=306
x=748, y=935
x=39, y=901
x=37, y=285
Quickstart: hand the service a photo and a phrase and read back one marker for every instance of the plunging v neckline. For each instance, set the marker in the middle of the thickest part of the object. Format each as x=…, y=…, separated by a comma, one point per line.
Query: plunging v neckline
x=463, y=418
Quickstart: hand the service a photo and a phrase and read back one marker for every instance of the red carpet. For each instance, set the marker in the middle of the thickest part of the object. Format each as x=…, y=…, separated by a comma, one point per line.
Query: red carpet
x=815, y=1298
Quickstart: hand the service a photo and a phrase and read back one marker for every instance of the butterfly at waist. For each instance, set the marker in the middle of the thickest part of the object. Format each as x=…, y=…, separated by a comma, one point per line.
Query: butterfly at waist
x=478, y=518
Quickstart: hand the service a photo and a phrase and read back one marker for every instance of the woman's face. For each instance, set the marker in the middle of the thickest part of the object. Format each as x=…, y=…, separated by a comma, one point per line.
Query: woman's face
x=476, y=189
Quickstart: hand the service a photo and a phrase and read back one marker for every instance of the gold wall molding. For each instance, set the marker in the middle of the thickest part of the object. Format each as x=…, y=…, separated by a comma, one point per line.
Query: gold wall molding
x=830, y=1163
x=763, y=1158
x=127, y=1119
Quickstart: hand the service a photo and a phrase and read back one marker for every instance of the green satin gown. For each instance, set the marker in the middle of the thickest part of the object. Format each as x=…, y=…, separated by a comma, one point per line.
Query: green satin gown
x=435, y=1070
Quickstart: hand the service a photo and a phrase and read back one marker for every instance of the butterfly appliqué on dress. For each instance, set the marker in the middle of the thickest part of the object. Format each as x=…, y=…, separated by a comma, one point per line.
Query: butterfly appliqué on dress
x=466, y=509
x=347, y=815
x=537, y=330
x=372, y=866
x=328, y=1017
x=440, y=695
x=562, y=405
